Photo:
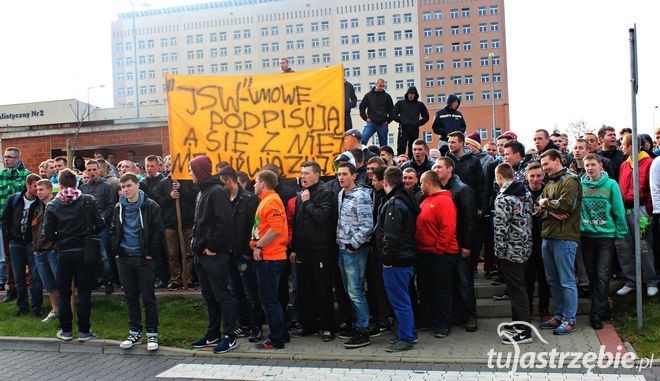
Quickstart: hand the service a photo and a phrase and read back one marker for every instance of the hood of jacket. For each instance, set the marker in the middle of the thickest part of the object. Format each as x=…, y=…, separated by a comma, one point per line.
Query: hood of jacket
x=451, y=98
x=411, y=89
x=68, y=196
x=515, y=188
x=406, y=196
x=551, y=145
x=345, y=156
x=213, y=180
x=123, y=201
x=586, y=182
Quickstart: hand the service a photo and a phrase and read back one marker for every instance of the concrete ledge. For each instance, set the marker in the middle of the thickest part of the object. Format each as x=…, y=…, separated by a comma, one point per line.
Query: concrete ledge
x=92, y=346
x=30, y=344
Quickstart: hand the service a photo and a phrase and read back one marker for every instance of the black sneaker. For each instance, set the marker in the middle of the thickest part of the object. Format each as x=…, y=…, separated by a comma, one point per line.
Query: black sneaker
x=346, y=333
x=502, y=296
x=205, y=341
x=2, y=287
x=302, y=332
x=379, y=329
x=441, y=333
x=225, y=345
x=497, y=281
x=256, y=336
x=327, y=336
x=518, y=338
x=10, y=296
x=109, y=288
x=174, y=287
x=359, y=339
x=242, y=331
x=159, y=284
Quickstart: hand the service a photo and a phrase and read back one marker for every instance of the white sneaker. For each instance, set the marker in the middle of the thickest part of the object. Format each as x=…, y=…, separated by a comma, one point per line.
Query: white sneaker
x=134, y=338
x=625, y=290
x=51, y=316
x=152, y=344
x=652, y=290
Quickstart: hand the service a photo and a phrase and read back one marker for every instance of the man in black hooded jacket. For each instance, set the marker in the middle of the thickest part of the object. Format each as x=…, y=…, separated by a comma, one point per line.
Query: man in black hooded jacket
x=411, y=114
x=448, y=120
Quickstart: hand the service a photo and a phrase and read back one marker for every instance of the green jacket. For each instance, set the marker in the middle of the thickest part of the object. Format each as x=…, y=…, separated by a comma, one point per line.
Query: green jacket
x=603, y=214
x=564, y=194
x=12, y=180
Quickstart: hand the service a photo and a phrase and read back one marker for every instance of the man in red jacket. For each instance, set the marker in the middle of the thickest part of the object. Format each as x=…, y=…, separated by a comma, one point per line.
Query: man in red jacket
x=438, y=254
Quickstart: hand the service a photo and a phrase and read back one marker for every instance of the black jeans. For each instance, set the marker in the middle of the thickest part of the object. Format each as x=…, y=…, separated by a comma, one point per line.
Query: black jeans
x=407, y=135
x=348, y=122
x=514, y=277
x=137, y=276
x=597, y=253
x=70, y=267
x=379, y=305
x=535, y=272
x=213, y=273
x=243, y=288
x=464, y=294
x=268, y=277
x=434, y=280
x=316, y=270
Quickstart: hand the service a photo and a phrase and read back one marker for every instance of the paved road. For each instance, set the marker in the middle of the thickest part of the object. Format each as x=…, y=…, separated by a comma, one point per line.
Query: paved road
x=30, y=365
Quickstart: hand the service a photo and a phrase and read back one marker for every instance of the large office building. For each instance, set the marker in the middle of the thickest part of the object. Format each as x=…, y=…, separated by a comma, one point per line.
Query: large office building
x=406, y=42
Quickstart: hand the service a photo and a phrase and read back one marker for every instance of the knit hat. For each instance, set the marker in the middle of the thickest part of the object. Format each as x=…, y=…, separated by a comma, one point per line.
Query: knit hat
x=474, y=140
x=201, y=167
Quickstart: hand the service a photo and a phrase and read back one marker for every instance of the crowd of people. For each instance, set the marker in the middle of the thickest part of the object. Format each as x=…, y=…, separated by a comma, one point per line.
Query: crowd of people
x=390, y=240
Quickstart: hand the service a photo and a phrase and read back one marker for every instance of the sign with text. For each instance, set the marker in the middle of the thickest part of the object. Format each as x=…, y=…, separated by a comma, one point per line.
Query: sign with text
x=248, y=121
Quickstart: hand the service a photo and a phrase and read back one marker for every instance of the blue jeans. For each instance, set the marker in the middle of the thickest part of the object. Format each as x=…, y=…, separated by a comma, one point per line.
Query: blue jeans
x=3, y=269
x=397, y=281
x=268, y=280
x=22, y=256
x=353, y=266
x=559, y=262
x=243, y=287
x=47, y=267
x=370, y=129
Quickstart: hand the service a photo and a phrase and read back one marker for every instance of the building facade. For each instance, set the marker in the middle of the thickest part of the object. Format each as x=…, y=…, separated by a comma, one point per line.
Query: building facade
x=392, y=39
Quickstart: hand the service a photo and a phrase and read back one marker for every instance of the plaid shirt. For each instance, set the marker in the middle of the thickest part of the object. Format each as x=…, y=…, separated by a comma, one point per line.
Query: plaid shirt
x=12, y=180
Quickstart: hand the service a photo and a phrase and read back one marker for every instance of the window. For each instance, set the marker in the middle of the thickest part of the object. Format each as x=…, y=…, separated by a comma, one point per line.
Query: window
x=371, y=37
x=151, y=74
x=381, y=36
x=493, y=9
x=142, y=60
x=398, y=84
x=456, y=80
x=484, y=61
x=129, y=46
x=398, y=68
x=265, y=63
x=456, y=64
x=150, y=44
x=355, y=23
x=326, y=57
x=455, y=30
x=238, y=65
x=437, y=15
x=467, y=46
x=300, y=28
x=129, y=91
x=494, y=26
x=265, y=48
x=325, y=41
x=370, y=21
x=355, y=55
x=199, y=54
x=409, y=50
x=439, y=48
x=223, y=66
x=456, y=46
x=199, y=38
x=440, y=81
x=223, y=52
x=485, y=78
x=237, y=50
x=371, y=70
x=382, y=69
x=315, y=43
x=247, y=49
x=289, y=45
x=300, y=60
x=371, y=53
x=164, y=57
x=189, y=39
x=426, y=16
x=315, y=27
x=343, y=40
x=358, y=87
x=347, y=72
x=152, y=89
x=140, y=44
x=497, y=94
x=214, y=68
x=427, y=32
x=200, y=69
x=465, y=12
x=222, y=36
x=344, y=56
x=382, y=53
x=119, y=47
x=482, y=11
x=380, y=20
x=264, y=32
x=429, y=82
x=440, y=65
x=495, y=44
x=430, y=99
x=247, y=33
x=390, y=135
x=190, y=54
x=191, y=70
x=300, y=44
x=442, y=98
x=407, y=17
x=396, y=19
x=289, y=29
x=173, y=56
x=483, y=28
x=497, y=77
x=428, y=65
x=467, y=29
x=496, y=60
x=355, y=39
x=120, y=76
x=483, y=44
x=409, y=82
x=428, y=136
x=120, y=62
x=273, y=30
x=428, y=49
x=129, y=61
x=316, y=58
x=120, y=92
x=485, y=95
x=410, y=67
x=453, y=13
x=468, y=79
x=213, y=37
x=343, y=24
x=483, y=133
x=356, y=71
x=397, y=35
x=438, y=32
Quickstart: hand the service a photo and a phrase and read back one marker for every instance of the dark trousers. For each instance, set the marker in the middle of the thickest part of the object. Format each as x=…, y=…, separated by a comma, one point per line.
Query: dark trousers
x=287, y=292
x=464, y=294
x=11, y=283
x=407, y=135
x=597, y=254
x=434, y=280
x=268, y=278
x=514, y=277
x=22, y=257
x=244, y=290
x=70, y=268
x=137, y=276
x=535, y=272
x=379, y=305
x=348, y=122
x=490, y=260
x=316, y=270
x=213, y=273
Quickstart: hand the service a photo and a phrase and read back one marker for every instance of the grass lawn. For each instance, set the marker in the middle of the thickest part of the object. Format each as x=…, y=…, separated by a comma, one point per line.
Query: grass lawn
x=647, y=342
x=181, y=320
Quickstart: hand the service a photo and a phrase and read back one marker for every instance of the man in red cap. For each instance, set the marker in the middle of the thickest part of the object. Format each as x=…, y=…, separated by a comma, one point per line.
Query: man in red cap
x=211, y=244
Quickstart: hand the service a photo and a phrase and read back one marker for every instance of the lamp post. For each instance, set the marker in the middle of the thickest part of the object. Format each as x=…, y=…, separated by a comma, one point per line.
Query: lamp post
x=135, y=56
x=89, y=114
x=492, y=88
x=655, y=108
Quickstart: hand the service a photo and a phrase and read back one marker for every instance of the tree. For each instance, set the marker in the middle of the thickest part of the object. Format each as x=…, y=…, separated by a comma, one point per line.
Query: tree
x=577, y=129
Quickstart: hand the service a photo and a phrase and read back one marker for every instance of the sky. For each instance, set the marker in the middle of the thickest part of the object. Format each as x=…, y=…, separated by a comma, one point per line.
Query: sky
x=567, y=60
